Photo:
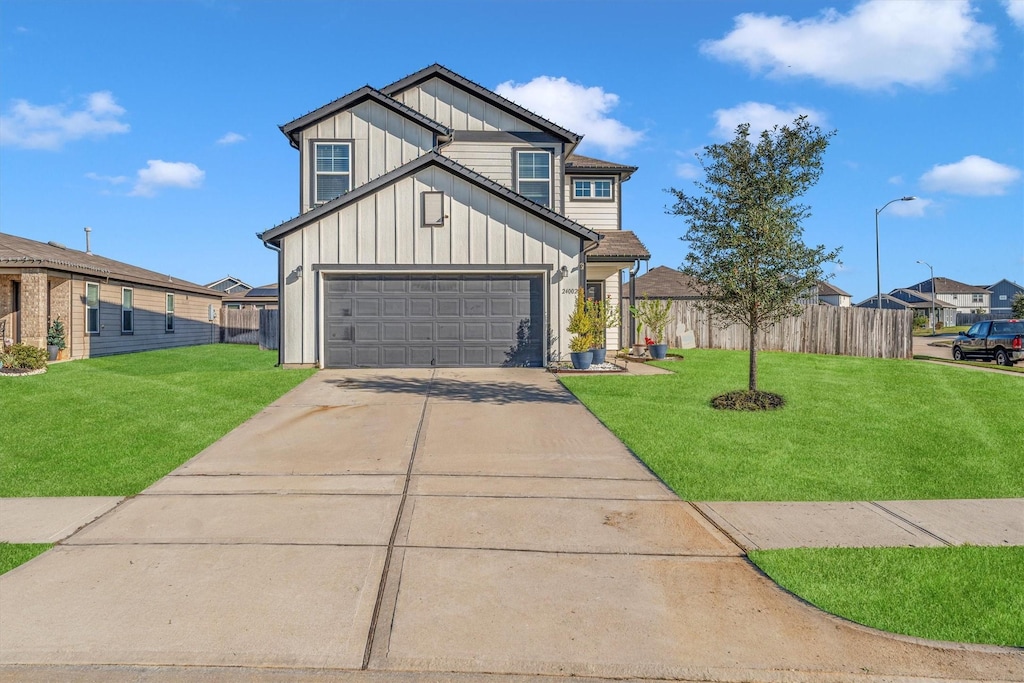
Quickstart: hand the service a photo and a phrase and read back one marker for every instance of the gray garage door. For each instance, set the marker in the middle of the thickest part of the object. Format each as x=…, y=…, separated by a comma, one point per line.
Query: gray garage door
x=396, y=321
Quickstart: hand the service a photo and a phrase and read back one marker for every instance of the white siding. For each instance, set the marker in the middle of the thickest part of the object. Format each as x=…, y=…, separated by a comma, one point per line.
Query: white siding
x=595, y=214
x=384, y=229
x=493, y=160
x=459, y=109
x=381, y=142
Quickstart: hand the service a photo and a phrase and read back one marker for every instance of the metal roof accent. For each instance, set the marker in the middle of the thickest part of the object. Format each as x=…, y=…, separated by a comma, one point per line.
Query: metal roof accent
x=21, y=252
x=618, y=245
x=479, y=90
x=292, y=128
x=430, y=159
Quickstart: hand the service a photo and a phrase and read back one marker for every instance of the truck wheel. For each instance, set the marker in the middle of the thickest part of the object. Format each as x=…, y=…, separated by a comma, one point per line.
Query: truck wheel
x=1002, y=358
x=958, y=353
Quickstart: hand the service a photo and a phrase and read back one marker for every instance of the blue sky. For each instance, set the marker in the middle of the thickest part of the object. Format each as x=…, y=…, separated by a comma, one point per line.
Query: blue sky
x=156, y=123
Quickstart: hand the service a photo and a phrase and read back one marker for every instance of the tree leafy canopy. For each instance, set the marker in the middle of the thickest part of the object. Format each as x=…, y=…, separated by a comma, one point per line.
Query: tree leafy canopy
x=746, y=255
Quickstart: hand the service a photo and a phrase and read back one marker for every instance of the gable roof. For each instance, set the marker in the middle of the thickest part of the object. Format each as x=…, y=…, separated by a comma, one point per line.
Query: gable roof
x=578, y=163
x=292, y=129
x=228, y=284
x=25, y=253
x=616, y=245
x=666, y=283
x=828, y=289
x=1013, y=285
x=431, y=158
x=943, y=285
x=922, y=297
x=438, y=71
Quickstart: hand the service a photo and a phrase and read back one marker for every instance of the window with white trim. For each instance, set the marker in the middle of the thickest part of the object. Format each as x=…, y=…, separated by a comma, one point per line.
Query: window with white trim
x=592, y=188
x=127, y=310
x=169, y=314
x=92, y=308
x=333, y=170
x=533, y=175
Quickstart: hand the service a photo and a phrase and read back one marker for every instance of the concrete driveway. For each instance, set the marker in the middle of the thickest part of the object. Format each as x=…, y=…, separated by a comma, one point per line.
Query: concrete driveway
x=428, y=525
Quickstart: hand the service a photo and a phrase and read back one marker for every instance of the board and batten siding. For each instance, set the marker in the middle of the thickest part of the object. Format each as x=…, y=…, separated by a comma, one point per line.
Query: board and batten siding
x=459, y=109
x=382, y=140
x=494, y=160
x=192, y=325
x=385, y=229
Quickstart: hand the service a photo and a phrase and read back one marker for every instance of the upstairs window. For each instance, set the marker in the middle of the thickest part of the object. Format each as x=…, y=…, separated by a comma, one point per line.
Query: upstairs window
x=592, y=188
x=127, y=310
x=533, y=175
x=333, y=170
x=92, y=308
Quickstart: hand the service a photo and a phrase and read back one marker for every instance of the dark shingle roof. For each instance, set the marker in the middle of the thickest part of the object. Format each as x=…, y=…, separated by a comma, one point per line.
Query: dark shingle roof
x=944, y=285
x=22, y=252
x=576, y=163
x=666, y=283
x=430, y=159
x=482, y=92
x=618, y=245
x=828, y=289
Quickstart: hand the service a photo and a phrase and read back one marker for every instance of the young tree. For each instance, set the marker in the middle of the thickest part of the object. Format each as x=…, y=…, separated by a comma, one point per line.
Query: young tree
x=746, y=252
x=1018, y=305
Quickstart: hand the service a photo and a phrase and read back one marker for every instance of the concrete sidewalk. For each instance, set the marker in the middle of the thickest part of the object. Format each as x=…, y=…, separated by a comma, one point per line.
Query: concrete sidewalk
x=428, y=525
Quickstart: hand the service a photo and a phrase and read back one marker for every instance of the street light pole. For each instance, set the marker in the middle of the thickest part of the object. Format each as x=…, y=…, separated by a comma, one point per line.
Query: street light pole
x=932, y=271
x=878, y=260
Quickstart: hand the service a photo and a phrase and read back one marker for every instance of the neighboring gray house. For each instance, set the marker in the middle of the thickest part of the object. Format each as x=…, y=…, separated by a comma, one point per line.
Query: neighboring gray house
x=442, y=225
x=888, y=302
x=922, y=303
x=230, y=285
x=239, y=295
x=1003, y=293
x=966, y=298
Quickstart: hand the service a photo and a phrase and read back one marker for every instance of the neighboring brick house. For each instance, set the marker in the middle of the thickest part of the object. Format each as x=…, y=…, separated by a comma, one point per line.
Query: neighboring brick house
x=106, y=306
x=441, y=224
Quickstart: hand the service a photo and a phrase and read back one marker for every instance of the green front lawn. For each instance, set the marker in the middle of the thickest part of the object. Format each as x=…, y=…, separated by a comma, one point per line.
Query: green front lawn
x=112, y=426
x=851, y=429
x=965, y=594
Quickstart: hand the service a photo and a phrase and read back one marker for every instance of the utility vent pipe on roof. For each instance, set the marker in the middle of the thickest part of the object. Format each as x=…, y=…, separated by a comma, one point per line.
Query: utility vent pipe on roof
x=87, y=249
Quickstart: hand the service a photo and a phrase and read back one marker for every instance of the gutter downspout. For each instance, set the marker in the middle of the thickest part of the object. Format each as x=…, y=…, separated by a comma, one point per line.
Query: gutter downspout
x=280, y=298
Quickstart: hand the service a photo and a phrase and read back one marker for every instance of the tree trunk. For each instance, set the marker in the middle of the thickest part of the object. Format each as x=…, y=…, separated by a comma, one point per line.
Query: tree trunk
x=752, y=385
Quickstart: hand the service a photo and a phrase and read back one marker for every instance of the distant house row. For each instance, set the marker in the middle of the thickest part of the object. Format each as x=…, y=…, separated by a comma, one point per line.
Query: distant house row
x=951, y=297
x=238, y=294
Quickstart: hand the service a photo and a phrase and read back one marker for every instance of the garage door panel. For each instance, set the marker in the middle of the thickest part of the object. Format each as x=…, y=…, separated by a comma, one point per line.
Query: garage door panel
x=473, y=320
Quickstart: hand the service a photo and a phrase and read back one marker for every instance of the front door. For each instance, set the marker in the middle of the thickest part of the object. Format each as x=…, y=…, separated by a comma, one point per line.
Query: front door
x=15, y=331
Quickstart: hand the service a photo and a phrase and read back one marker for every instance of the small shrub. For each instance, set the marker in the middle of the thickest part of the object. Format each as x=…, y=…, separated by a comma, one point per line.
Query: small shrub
x=25, y=357
x=938, y=325
x=920, y=321
x=55, y=335
x=748, y=400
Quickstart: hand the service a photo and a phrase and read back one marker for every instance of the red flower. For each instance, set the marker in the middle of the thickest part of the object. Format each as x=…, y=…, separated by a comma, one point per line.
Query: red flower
x=648, y=341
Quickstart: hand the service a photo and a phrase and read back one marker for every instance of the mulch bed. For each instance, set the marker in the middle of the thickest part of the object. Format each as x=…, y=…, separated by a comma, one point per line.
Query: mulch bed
x=20, y=372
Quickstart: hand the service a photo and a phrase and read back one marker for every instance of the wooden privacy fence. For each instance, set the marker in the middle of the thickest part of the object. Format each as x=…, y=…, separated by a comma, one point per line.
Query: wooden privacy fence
x=833, y=330
x=249, y=326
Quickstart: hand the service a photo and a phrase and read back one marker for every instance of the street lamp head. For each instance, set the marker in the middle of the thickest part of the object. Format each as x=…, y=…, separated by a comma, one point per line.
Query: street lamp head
x=908, y=199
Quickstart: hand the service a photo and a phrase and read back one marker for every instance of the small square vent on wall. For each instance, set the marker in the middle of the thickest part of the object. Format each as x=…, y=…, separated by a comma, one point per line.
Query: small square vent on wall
x=433, y=209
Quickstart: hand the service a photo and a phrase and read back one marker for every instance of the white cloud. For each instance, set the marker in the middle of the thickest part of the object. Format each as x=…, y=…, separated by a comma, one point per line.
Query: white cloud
x=896, y=180
x=158, y=174
x=914, y=209
x=972, y=175
x=230, y=139
x=879, y=44
x=689, y=171
x=1015, y=8
x=33, y=126
x=576, y=107
x=761, y=117
x=112, y=179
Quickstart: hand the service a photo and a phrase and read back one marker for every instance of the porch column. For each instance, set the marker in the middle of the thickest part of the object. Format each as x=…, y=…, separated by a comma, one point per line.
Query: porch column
x=33, y=308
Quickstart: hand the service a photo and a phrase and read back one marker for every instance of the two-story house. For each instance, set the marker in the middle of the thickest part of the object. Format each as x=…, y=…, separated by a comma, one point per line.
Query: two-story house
x=441, y=224
x=966, y=298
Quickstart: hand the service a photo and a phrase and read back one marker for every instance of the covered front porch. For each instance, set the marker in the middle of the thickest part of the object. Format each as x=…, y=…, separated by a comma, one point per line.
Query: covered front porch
x=618, y=251
x=31, y=298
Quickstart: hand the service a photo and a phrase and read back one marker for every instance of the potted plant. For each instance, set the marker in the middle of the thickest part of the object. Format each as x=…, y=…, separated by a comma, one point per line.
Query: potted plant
x=606, y=316
x=581, y=325
x=55, y=339
x=639, y=348
x=654, y=314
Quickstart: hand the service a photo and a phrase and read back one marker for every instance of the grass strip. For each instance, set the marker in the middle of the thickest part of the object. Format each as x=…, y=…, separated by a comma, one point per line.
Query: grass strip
x=965, y=594
x=851, y=429
x=14, y=554
x=112, y=426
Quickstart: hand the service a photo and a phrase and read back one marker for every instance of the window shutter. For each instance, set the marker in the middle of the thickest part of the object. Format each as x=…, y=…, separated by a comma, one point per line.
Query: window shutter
x=433, y=208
